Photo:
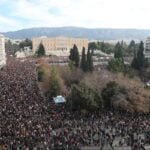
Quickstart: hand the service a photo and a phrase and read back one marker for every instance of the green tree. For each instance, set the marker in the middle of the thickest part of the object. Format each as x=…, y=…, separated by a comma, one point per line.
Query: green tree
x=83, y=60
x=26, y=42
x=71, y=65
x=40, y=51
x=71, y=56
x=83, y=97
x=108, y=92
x=92, y=46
x=131, y=48
x=118, y=51
x=134, y=63
x=55, y=87
x=139, y=59
x=40, y=73
x=11, y=48
x=74, y=56
x=116, y=65
x=140, y=55
x=89, y=62
x=103, y=47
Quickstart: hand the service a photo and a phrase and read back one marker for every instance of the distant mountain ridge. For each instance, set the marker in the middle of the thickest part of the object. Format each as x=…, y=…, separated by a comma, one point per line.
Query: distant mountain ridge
x=91, y=34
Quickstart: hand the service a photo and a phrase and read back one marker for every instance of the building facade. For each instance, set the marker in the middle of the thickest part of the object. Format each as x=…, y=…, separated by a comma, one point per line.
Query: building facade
x=59, y=46
x=147, y=48
x=2, y=51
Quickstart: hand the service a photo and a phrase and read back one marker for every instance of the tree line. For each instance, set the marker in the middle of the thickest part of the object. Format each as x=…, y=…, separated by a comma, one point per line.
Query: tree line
x=86, y=61
x=138, y=63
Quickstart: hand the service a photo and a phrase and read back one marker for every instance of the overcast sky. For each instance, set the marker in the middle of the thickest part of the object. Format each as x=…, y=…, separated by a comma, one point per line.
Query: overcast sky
x=18, y=14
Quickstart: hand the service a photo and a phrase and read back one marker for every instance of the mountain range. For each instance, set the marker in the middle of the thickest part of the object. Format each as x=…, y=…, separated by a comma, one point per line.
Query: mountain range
x=78, y=32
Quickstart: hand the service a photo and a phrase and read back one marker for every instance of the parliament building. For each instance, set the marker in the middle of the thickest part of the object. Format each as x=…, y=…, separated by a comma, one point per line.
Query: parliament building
x=59, y=46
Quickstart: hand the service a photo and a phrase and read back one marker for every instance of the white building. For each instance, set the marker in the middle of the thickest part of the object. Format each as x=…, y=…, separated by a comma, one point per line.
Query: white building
x=2, y=51
x=147, y=48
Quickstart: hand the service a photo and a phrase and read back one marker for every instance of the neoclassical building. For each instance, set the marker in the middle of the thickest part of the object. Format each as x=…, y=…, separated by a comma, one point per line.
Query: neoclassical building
x=59, y=46
x=147, y=48
x=2, y=51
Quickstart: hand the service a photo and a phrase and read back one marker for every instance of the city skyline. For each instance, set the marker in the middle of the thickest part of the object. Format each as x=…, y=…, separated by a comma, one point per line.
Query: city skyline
x=19, y=14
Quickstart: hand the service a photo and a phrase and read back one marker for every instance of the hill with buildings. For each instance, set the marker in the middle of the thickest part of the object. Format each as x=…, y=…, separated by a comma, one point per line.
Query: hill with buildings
x=91, y=34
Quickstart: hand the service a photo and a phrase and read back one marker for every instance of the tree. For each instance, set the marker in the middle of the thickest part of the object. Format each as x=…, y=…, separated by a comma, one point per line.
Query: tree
x=40, y=73
x=139, y=59
x=118, y=51
x=74, y=56
x=116, y=65
x=40, y=51
x=140, y=55
x=11, y=48
x=83, y=97
x=108, y=92
x=55, y=86
x=71, y=56
x=89, y=62
x=83, y=60
x=134, y=63
x=103, y=46
x=26, y=42
x=92, y=46
x=131, y=48
x=71, y=65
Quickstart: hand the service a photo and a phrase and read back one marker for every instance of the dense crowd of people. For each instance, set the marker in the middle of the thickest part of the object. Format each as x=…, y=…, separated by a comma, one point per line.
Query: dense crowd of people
x=29, y=121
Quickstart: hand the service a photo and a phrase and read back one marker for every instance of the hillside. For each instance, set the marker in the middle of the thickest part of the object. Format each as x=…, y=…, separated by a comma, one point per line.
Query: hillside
x=91, y=34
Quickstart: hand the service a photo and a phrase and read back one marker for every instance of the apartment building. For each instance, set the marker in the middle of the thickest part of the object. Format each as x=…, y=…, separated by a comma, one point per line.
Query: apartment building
x=2, y=51
x=59, y=46
x=147, y=48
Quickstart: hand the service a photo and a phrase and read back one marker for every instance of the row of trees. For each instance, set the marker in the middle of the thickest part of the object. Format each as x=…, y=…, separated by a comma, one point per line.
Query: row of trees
x=86, y=62
x=116, y=65
x=83, y=97
x=26, y=42
x=128, y=49
x=138, y=63
x=103, y=46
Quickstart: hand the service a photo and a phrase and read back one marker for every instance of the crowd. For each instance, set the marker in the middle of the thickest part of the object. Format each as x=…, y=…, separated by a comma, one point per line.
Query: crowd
x=29, y=121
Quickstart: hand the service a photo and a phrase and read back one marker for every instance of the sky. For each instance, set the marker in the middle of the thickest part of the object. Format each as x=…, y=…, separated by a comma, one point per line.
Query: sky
x=19, y=14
